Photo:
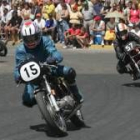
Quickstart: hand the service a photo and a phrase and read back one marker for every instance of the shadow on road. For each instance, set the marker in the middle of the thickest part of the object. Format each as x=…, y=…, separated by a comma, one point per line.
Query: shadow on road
x=45, y=128
x=132, y=85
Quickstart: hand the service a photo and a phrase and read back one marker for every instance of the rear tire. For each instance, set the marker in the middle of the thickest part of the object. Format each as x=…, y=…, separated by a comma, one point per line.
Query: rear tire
x=54, y=119
x=78, y=119
x=3, y=49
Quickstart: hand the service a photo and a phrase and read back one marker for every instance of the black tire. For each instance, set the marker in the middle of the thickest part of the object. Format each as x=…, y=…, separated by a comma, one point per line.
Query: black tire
x=78, y=119
x=3, y=49
x=50, y=115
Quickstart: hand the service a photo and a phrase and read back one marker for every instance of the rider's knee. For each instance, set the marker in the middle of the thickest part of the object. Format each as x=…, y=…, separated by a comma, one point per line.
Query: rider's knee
x=70, y=75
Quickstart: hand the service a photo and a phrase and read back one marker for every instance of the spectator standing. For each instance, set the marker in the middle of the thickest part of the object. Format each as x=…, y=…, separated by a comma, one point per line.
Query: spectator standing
x=123, y=4
x=88, y=14
x=48, y=8
x=58, y=8
x=106, y=8
x=134, y=15
x=77, y=3
x=62, y=20
x=97, y=7
x=114, y=7
x=127, y=11
x=34, y=10
x=75, y=16
x=88, y=2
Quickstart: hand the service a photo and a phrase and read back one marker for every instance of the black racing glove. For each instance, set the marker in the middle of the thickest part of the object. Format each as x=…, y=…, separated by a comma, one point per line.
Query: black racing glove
x=122, y=56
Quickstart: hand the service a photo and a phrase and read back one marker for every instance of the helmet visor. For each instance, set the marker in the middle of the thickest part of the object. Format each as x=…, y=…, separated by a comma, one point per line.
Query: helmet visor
x=30, y=39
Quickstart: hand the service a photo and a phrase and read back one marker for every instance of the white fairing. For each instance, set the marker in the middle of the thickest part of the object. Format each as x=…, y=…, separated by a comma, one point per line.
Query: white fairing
x=30, y=71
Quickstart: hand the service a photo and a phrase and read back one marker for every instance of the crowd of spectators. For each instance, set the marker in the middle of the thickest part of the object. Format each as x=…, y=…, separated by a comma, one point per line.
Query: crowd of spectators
x=73, y=23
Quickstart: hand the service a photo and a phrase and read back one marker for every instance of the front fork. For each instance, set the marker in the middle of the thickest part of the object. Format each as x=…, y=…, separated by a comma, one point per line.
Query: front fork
x=50, y=95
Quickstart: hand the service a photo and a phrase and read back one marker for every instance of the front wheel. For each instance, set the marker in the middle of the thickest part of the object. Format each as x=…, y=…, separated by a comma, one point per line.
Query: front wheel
x=54, y=119
x=78, y=119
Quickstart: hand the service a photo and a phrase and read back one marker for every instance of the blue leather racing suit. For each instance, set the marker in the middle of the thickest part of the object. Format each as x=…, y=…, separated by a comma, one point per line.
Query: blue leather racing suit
x=45, y=49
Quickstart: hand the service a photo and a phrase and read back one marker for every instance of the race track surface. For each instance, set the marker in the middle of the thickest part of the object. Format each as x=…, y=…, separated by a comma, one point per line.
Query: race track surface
x=111, y=108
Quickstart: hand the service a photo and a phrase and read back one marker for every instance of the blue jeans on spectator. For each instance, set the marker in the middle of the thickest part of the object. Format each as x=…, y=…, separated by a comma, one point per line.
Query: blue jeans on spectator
x=97, y=34
x=62, y=26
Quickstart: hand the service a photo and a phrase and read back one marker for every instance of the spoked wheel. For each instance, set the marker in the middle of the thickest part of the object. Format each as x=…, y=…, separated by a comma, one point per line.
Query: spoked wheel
x=78, y=119
x=54, y=119
x=3, y=49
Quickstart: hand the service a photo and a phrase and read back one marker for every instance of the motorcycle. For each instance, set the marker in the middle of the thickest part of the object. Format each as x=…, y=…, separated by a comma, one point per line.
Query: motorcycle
x=53, y=96
x=132, y=51
x=3, y=49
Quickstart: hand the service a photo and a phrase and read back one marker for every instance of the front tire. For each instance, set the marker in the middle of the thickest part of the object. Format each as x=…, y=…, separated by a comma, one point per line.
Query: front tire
x=3, y=49
x=54, y=119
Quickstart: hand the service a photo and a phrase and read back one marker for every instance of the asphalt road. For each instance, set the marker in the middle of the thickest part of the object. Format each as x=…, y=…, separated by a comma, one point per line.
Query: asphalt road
x=111, y=108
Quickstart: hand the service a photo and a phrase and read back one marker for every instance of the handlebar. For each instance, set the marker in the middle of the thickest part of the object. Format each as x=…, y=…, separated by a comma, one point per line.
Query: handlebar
x=48, y=65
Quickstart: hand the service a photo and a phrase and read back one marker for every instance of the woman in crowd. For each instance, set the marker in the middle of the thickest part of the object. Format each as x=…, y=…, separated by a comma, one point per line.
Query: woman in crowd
x=110, y=31
x=75, y=15
x=26, y=10
x=127, y=11
x=48, y=8
x=134, y=15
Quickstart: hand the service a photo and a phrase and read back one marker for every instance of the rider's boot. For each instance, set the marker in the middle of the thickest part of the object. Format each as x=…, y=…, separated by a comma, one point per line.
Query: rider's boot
x=77, y=94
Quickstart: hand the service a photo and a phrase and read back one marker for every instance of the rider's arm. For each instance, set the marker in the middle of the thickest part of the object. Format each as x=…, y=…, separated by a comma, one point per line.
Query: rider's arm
x=134, y=37
x=51, y=49
x=19, y=58
x=118, y=50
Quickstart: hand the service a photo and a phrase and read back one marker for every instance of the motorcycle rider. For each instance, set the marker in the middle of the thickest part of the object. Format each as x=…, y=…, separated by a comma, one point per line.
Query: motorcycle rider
x=122, y=38
x=42, y=48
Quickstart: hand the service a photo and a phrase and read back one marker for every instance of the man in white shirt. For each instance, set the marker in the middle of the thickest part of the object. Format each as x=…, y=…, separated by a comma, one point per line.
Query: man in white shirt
x=4, y=22
x=6, y=17
x=40, y=21
x=58, y=8
x=3, y=6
